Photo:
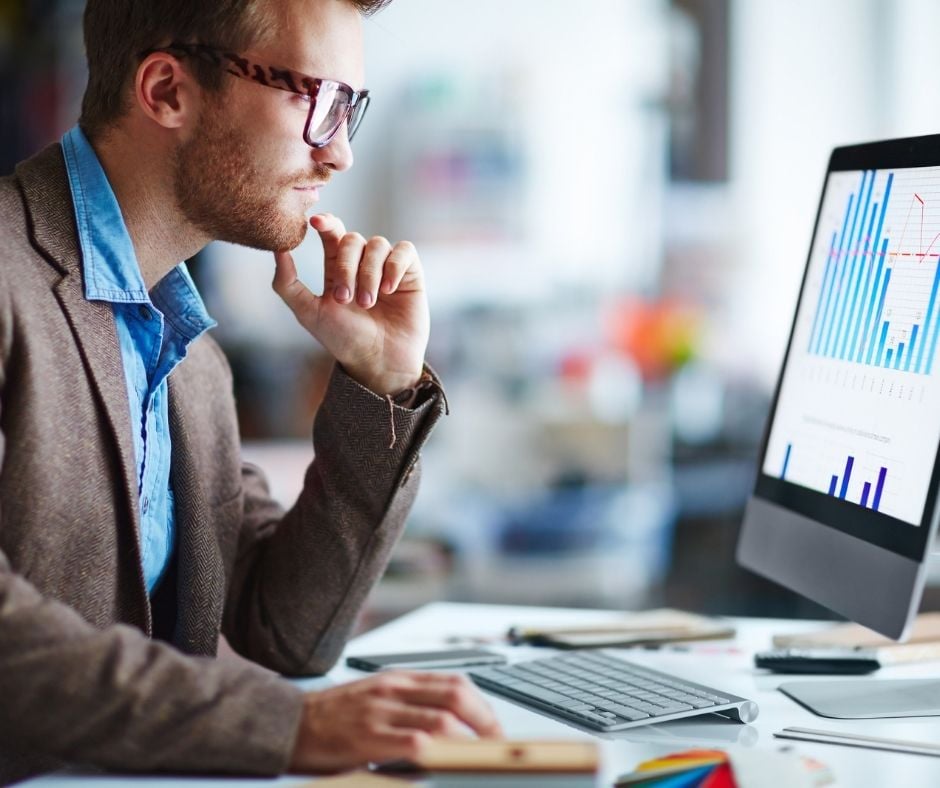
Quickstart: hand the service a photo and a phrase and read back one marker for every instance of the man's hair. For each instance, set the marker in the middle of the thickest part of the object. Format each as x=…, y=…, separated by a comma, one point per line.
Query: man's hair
x=118, y=31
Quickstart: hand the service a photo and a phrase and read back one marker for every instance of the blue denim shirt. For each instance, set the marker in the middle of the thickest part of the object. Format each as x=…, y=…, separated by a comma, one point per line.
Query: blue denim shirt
x=154, y=331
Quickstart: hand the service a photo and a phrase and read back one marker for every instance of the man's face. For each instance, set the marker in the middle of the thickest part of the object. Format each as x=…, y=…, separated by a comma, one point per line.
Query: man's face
x=245, y=174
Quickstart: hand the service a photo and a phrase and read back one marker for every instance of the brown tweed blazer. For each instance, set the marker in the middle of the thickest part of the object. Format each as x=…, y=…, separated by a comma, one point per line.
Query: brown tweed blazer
x=82, y=679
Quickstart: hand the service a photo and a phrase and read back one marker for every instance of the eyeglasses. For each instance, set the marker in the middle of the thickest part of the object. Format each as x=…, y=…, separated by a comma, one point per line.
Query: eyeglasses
x=331, y=102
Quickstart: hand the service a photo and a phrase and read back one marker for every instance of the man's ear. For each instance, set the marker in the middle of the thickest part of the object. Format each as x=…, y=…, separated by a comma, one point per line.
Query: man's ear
x=165, y=92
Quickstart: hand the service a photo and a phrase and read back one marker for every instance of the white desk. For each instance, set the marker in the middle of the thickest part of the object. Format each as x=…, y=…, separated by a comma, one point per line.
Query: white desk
x=720, y=664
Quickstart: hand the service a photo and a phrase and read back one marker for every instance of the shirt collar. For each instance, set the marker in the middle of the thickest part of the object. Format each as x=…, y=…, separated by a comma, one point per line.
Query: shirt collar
x=111, y=270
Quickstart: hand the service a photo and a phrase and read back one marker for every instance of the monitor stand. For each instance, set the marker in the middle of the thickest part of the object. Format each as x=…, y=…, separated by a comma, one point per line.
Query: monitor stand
x=862, y=699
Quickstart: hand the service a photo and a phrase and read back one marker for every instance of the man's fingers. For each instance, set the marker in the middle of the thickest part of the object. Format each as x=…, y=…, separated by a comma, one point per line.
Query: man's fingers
x=453, y=693
x=292, y=291
x=340, y=271
x=331, y=230
x=370, y=271
x=387, y=743
x=358, y=271
x=434, y=721
x=403, y=258
x=285, y=271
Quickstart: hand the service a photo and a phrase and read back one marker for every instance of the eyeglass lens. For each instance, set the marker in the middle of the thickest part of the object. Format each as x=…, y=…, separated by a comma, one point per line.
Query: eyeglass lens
x=329, y=112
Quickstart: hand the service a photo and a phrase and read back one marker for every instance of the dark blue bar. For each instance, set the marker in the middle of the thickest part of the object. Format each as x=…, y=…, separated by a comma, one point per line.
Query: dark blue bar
x=832, y=485
x=888, y=356
x=881, y=306
x=868, y=330
x=865, y=490
x=897, y=359
x=786, y=462
x=930, y=308
x=842, y=291
x=879, y=488
x=849, y=462
x=910, y=348
x=881, y=344
x=855, y=277
x=813, y=339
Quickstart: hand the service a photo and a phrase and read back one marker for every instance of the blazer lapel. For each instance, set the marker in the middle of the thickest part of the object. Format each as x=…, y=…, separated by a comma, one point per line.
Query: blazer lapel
x=201, y=575
x=48, y=201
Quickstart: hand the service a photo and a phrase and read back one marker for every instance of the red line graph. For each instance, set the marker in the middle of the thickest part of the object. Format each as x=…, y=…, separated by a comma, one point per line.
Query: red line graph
x=920, y=256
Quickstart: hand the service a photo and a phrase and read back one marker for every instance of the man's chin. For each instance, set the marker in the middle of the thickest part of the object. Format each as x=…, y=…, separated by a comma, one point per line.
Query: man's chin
x=269, y=238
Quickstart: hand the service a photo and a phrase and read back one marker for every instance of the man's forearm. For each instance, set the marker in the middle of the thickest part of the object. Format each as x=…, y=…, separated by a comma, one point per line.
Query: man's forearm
x=296, y=595
x=112, y=698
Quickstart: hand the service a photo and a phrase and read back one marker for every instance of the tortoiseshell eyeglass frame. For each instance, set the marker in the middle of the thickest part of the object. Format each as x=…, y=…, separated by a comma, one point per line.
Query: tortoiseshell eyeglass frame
x=282, y=79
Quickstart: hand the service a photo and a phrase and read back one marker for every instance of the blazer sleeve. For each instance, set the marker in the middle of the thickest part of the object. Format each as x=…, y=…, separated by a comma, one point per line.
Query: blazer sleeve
x=72, y=692
x=302, y=576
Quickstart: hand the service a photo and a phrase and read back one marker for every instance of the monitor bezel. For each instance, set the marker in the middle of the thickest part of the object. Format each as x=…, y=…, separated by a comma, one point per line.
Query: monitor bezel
x=882, y=530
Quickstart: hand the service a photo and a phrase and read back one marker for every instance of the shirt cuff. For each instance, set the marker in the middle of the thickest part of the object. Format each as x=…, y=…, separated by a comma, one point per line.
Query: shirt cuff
x=414, y=396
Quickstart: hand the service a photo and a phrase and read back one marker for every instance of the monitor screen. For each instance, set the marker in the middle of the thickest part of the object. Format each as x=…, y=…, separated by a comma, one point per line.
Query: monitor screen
x=856, y=424
x=858, y=416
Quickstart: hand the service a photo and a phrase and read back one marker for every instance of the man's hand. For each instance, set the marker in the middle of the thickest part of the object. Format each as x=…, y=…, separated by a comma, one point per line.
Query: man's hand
x=387, y=717
x=373, y=315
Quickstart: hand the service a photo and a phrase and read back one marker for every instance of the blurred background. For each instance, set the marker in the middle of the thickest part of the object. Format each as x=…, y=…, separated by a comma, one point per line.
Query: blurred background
x=613, y=201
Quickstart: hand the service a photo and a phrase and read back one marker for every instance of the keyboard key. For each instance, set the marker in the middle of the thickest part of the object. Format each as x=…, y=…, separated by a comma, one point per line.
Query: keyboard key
x=542, y=694
x=576, y=705
x=594, y=717
x=624, y=711
x=698, y=703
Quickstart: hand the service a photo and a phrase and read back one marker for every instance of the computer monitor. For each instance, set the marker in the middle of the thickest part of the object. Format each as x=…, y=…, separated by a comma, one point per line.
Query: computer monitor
x=844, y=508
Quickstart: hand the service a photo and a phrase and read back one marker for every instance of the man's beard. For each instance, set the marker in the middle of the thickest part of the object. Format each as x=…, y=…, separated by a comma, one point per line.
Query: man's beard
x=221, y=191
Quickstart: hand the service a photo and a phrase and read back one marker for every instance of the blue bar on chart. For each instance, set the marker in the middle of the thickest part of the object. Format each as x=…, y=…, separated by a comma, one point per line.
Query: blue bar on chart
x=881, y=344
x=933, y=342
x=832, y=484
x=866, y=489
x=910, y=353
x=849, y=462
x=871, y=321
x=927, y=319
x=822, y=294
x=832, y=266
x=879, y=488
x=786, y=461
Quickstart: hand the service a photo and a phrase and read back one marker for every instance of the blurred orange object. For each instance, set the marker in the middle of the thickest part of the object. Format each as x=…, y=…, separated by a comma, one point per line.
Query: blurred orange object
x=660, y=336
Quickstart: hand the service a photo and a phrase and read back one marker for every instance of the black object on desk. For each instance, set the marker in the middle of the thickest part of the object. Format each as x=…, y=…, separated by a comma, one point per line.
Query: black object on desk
x=821, y=660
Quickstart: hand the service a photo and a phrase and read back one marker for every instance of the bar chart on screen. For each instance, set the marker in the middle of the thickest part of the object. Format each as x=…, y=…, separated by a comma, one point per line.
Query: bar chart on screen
x=877, y=298
x=856, y=474
x=860, y=388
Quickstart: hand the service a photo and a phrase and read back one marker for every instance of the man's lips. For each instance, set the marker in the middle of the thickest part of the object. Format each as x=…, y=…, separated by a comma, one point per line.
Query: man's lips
x=309, y=187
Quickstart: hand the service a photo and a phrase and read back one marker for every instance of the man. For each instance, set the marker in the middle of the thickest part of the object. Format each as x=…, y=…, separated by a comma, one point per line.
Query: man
x=130, y=533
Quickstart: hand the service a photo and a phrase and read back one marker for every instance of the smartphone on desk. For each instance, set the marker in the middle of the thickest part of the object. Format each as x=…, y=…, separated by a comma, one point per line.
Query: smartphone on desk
x=425, y=660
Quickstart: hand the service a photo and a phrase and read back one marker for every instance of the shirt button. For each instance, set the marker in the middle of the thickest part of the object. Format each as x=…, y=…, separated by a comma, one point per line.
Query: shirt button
x=144, y=313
